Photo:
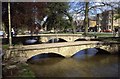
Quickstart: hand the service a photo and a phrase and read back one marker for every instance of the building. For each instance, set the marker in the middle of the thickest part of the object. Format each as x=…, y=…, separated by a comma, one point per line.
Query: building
x=106, y=20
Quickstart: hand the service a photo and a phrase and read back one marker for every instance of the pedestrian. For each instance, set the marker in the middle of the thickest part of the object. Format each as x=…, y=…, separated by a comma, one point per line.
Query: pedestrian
x=12, y=32
x=116, y=30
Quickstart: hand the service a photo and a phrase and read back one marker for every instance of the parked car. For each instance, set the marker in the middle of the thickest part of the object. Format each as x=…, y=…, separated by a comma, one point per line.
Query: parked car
x=1, y=33
x=109, y=30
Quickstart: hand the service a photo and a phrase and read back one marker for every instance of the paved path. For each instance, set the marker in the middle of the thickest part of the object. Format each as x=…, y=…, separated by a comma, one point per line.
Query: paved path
x=50, y=35
x=54, y=45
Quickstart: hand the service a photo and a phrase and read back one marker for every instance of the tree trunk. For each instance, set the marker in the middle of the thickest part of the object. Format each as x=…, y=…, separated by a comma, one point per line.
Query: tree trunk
x=86, y=18
x=112, y=27
x=98, y=23
x=74, y=31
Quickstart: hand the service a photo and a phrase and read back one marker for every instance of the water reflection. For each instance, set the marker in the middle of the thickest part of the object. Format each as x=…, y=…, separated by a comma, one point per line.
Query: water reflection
x=85, y=53
x=45, y=59
x=82, y=64
x=105, y=67
x=30, y=41
x=101, y=52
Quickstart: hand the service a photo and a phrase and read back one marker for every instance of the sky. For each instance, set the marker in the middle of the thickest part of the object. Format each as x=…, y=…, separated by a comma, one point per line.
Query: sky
x=93, y=12
x=60, y=0
x=80, y=16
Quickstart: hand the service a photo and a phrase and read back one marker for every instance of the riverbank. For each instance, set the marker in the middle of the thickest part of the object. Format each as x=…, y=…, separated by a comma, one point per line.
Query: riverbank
x=18, y=70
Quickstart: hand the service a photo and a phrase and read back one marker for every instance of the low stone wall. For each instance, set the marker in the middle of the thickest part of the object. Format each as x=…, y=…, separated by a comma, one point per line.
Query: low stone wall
x=68, y=51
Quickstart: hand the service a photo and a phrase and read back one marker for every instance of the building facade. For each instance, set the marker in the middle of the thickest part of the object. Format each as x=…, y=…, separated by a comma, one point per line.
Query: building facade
x=106, y=20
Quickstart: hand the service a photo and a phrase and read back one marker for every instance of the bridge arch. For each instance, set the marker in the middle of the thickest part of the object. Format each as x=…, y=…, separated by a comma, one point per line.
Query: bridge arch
x=90, y=52
x=45, y=55
x=79, y=39
x=102, y=51
x=83, y=39
x=86, y=51
x=62, y=40
x=56, y=40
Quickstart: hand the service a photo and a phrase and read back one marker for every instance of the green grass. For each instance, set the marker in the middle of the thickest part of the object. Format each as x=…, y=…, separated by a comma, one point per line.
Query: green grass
x=98, y=34
x=109, y=39
x=25, y=71
x=6, y=46
x=21, y=71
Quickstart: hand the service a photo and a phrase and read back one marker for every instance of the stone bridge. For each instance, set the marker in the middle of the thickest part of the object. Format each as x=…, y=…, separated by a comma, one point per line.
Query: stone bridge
x=66, y=49
x=65, y=37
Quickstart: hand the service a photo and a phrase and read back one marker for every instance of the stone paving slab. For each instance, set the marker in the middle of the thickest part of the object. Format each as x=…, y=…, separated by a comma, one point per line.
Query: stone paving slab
x=54, y=45
x=50, y=35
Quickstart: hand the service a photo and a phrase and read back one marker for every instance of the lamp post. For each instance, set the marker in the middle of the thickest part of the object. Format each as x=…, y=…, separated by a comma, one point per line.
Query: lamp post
x=9, y=19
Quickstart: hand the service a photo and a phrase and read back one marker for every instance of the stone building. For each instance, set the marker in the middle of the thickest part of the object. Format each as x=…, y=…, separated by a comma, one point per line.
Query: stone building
x=106, y=20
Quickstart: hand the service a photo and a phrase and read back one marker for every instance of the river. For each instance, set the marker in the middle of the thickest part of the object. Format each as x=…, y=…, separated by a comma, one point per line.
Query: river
x=80, y=65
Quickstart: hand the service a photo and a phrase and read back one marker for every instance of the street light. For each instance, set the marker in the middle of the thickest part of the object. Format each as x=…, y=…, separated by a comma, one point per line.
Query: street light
x=9, y=18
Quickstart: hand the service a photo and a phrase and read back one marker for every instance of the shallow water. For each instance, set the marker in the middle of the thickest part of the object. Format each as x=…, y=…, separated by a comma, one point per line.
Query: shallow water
x=95, y=66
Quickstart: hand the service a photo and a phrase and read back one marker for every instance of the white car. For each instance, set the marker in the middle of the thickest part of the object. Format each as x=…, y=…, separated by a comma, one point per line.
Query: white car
x=1, y=33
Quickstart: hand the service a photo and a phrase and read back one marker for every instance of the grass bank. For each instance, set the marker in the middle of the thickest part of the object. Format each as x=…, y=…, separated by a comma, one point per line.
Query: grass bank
x=18, y=71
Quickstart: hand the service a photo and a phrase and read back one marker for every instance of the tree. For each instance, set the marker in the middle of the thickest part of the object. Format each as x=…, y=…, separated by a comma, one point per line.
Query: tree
x=29, y=14
x=56, y=12
x=24, y=14
x=118, y=11
x=86, y=9
x=5, y=15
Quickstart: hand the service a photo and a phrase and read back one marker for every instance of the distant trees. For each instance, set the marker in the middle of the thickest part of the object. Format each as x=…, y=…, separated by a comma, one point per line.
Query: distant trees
x=23, y=14
x=29, y=14
x=85, y=9
x=118, y=11
x=56, y=15
x=5, y=15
